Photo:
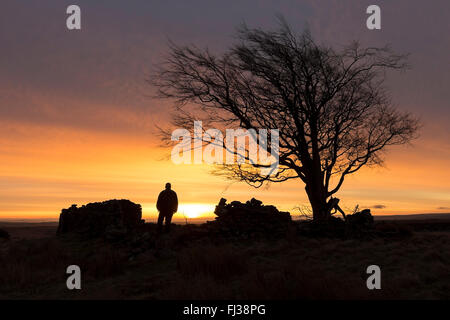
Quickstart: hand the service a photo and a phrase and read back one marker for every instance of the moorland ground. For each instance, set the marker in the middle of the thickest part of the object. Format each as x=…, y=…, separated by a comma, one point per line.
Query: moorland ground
x=185, y=264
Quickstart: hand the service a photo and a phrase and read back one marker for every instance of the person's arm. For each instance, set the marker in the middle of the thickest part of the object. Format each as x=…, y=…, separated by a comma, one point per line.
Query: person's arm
x=158, y=203
x=176, y=202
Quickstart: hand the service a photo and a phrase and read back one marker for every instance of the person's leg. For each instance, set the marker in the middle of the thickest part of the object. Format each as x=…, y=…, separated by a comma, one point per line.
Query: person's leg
x=160, y=221
x=168, y=221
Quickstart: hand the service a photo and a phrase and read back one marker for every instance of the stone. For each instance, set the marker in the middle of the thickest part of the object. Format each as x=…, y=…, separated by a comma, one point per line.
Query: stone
x=250, y=218
x=362, y=219
x=111, y=219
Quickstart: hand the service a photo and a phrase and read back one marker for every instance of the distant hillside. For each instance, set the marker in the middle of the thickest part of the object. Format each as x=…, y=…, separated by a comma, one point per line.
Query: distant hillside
x=423, y=216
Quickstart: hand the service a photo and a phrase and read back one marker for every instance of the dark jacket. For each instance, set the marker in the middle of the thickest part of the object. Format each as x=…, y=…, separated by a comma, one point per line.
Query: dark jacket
x=167, y=201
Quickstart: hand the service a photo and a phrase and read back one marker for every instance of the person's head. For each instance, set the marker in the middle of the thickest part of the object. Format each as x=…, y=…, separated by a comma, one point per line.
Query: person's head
x=168, y=186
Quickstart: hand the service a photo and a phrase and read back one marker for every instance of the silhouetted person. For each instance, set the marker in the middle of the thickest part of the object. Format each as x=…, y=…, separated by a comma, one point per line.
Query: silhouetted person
x=167, y=205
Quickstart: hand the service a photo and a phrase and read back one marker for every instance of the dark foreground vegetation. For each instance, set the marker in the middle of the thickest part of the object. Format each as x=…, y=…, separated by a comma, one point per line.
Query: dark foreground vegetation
x=204, y=262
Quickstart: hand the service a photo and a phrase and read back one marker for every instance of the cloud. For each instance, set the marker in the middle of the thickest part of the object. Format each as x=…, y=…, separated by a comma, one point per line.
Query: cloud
x=378, y=206
x=443, y=208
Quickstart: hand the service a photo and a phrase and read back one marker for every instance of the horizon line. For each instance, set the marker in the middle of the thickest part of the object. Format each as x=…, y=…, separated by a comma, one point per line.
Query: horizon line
x=182, y=220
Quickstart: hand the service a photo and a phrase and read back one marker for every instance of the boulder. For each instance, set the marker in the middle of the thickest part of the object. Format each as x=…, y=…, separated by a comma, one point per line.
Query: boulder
x=250, y=218
x=357, y=225
x=360, y=224
x=110, y=219
x=362, y=219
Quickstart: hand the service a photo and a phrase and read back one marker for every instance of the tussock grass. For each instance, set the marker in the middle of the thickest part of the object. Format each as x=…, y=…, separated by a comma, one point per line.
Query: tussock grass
x=29, y=267
x=295, y=267
x=219, y=262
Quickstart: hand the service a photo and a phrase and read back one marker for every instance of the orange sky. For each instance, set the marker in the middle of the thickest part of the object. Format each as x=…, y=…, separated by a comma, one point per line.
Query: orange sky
x=46, y=169
x=77, y=126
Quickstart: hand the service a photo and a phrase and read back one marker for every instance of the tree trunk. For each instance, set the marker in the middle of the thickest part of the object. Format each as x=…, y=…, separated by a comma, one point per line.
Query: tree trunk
x=317, y=197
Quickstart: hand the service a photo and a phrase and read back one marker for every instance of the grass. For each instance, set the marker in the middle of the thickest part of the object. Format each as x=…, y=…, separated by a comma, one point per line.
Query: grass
x=295, y=267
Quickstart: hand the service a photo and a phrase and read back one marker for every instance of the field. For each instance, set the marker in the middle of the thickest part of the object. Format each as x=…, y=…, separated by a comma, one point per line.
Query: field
x=185, y=264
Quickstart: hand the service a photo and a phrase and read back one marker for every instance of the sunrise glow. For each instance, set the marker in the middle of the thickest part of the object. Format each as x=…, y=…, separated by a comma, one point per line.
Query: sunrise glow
x=77, y=128
x=195, y=210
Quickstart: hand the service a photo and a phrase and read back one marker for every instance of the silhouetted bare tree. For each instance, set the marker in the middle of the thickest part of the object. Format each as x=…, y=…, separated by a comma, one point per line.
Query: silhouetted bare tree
x=333, y=113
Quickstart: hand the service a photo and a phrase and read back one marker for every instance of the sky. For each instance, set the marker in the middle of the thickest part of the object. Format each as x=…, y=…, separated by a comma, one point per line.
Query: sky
x=77, y=120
